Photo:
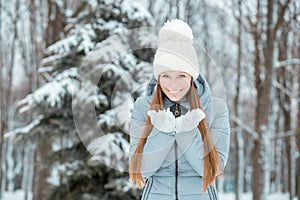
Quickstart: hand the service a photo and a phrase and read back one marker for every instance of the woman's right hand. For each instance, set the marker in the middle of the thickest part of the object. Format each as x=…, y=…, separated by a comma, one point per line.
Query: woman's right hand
x=163, y=120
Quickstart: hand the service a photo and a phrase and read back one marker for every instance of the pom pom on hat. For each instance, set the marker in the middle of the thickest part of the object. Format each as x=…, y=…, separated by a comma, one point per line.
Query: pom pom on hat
x=176, y=50
x=176, y=30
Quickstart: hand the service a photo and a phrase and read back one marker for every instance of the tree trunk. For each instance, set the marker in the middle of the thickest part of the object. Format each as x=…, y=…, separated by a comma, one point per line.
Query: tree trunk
x=6, y=86
x=285, y=104
x=238, y=136
x=1, y=101
x=263, y=83
x=263, y=87
x=207, y=38
x=298, y=173
x=287, y=127
x=277, y=175
x=41, y=171
x=297, y=135
x=188, y=13
x=51, y=35
x=178, y=9
x=257, y=171
x=40, y=184
x=150, y=7
x=56, y=25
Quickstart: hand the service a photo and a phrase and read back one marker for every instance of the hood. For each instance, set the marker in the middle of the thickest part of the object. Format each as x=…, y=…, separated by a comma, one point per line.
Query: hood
x=200, y=83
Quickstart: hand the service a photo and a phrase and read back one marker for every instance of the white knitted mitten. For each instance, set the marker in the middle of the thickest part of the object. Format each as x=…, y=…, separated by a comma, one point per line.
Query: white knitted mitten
x=163, y=120
x=189, y=121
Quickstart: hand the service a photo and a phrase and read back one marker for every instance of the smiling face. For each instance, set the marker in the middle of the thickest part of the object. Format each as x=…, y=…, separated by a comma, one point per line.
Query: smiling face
x=175, y=84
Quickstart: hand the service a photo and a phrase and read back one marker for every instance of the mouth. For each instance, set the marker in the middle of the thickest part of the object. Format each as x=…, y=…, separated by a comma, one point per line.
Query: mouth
x=174, y=92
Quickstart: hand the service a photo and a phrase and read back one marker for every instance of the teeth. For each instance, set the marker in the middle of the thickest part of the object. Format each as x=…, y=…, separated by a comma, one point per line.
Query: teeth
x=174, y=92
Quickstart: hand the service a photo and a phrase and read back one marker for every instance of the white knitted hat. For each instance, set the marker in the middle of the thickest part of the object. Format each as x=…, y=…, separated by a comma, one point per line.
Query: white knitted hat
x=176, y=50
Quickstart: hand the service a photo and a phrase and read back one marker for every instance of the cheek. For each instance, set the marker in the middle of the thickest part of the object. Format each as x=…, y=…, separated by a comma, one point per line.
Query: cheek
x=163, y=81
x=185, y=84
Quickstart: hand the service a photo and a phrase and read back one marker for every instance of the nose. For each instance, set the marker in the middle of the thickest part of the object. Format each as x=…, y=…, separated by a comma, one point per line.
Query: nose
x=173, y=84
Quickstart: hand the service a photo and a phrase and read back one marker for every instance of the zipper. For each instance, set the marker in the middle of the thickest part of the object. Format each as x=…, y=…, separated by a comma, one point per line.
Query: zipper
x=176, y=113
x=176, y=173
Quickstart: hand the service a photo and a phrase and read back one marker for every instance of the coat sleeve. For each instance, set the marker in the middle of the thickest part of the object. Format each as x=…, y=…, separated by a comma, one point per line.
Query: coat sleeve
x=191, y=145
x=158, y=144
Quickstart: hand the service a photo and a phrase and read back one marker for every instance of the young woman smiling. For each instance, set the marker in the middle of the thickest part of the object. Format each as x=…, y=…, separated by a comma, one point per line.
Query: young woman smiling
x=179, y=134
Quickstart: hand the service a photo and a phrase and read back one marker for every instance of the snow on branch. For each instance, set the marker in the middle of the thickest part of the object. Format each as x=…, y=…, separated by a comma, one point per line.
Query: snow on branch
x=285, y=90
x=134, y=10
x=71, y=169
x=81, y=39
x=111, y=149
x=244, y=126
x=50, y=94
x=293, y=61
x=284, y=134
x=120, y=184
x=23, y=130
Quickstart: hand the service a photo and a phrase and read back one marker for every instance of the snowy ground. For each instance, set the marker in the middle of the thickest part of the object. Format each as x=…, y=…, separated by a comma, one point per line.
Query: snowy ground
x=248, y=196
x=19, y=195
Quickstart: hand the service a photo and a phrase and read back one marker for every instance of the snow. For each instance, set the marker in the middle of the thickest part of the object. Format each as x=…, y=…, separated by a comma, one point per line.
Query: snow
x=111, y=149
x=81, y=37
x=19, y=194
x=135, y=10
x=52, y=92
x=112, y=26
x=248, y=196
x=54, y=177
x=23, y=130
x=285, y=90
x=244, y=126
x=110, y=49
x=63, y=46
x=284, y=63
x=16, y=195
x=122, y=105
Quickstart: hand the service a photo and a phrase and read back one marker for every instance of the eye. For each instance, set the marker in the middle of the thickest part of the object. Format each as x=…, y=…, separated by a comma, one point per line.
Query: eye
x=165, y=75
x=181, y=75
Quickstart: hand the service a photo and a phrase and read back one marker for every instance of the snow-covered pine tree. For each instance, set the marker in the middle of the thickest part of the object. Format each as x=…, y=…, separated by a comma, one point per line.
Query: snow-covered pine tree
x=103, y=63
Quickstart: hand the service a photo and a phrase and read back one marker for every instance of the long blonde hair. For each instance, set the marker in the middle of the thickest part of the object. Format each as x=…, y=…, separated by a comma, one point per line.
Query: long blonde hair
x=211, y=158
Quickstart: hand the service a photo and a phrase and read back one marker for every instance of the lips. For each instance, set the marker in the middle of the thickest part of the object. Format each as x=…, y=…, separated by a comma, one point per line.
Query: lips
x=174, y=92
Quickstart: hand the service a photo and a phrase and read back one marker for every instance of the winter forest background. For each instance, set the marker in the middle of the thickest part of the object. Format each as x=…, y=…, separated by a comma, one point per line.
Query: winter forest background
x=71, y=70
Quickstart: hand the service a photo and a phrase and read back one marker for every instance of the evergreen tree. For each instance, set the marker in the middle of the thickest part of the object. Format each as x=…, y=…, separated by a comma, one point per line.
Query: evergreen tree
x=93, y=74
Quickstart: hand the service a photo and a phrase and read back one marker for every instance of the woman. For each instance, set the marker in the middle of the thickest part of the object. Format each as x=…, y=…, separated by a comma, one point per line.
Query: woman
x=179, y=134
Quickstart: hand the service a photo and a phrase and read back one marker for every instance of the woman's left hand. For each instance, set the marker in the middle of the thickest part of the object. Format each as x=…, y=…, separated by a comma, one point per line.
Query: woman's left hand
x=189, y=121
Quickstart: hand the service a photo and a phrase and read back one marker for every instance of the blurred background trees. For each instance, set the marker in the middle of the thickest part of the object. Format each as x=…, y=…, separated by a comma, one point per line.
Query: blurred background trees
x=67, y=63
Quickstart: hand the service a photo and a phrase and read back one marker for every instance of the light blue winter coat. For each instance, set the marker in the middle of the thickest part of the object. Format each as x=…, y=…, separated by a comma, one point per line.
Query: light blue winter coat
x=167, y=177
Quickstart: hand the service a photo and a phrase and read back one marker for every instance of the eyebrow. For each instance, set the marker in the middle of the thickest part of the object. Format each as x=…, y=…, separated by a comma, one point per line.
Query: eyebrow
x=176, y=73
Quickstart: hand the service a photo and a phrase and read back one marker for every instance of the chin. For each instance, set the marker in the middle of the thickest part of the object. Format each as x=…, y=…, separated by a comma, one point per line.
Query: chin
x=174, y=98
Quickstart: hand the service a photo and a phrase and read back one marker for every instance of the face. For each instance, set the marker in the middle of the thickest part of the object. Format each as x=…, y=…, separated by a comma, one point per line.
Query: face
x=175, y=84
